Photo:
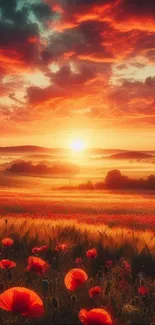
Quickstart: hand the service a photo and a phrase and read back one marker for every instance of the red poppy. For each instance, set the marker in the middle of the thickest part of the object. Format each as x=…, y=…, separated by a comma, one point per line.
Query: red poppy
x=91, y=253
x=123, y=285
x=78, y=260
x=143, y=291
x=37, y=265
x=44, y=248
x=122, y=259
x=75, y=278
x=126, y=268
x=108, y=264
x=61, y=248
x=22, y=301
x=36, y=250
x=8, y=242
x=7, y=264
x=95, y=292
x=96, y=316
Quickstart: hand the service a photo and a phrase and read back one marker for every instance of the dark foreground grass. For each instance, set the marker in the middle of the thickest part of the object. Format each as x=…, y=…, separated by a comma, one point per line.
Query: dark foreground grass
x=119, y=296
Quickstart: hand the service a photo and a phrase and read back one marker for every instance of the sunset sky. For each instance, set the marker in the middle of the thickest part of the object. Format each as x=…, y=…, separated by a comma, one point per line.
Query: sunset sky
x=77, y=68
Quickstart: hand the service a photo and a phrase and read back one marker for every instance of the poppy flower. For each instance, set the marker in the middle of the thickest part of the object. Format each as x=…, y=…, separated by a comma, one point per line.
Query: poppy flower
x=44, y=248
x=78, y=260
x=95, y=292
x=7, y=264
x=127, y=266
x=91, y=253
x=123, y=285
x=37, y=265
x=8, y=242
x=143, y=291
x=108, y=264
x=36, y=250
x=96, y=316
x=22, y=301
x=75, y=278
x=61, y=248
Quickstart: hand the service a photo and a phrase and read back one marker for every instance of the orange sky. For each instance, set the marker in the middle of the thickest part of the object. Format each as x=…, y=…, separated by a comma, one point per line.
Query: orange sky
x=78, y=69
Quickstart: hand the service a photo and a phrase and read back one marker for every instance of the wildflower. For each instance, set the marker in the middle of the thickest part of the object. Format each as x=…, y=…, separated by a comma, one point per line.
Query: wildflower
x=127, y=266
x=22, y=301
x=108, y=264
x=36, y=250
x=8, y=242
x=95, y=292
x=96, y=316
x=44, y=248
x=75, y=278
x=78, y=260
x=91, y=253
x=7, y=264
x=143, y=291
x=61, y=248
x=122, y=259
x=37, y=265
x=123, y=284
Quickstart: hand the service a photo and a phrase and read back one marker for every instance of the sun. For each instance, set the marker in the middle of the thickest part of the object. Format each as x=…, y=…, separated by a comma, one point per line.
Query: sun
x=78, y=145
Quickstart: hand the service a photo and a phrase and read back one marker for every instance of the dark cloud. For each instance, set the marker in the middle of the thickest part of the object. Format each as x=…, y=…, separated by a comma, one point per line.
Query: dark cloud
x=133, y=97
x=88, y=40
x=42, y=11
x=10, y=13
x=65, y=83
x=138, y=7
x=15, y=45
x=8, y=8
x=83, y=6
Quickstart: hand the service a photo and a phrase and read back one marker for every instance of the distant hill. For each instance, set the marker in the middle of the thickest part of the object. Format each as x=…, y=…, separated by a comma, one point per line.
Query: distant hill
x=43, y=150
x=30, y=150
x=41, y=156
x=131, y=155
x=100, y=151
x=37, y=152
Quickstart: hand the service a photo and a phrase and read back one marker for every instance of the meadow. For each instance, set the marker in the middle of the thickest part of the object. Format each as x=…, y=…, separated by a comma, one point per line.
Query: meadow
x=118, y=280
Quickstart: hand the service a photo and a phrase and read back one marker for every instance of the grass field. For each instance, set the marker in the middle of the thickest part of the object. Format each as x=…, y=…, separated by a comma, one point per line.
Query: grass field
x=116, y=225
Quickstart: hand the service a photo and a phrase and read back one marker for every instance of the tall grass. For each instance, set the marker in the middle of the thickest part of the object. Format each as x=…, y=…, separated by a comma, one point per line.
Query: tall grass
x=62, y=307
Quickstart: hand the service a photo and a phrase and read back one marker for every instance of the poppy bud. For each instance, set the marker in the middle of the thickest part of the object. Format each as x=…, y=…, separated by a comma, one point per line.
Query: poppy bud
x=73, y=299
x=91, y=281
x=107, y=288
x=55, y=302
x=45, y=286
x=141, y=282
x=9, y=275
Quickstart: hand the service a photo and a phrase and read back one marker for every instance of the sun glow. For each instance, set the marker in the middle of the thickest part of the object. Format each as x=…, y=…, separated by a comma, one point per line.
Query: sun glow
x=78, y=145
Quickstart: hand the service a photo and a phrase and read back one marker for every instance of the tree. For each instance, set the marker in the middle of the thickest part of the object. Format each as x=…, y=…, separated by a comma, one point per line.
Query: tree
x=113, y=179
